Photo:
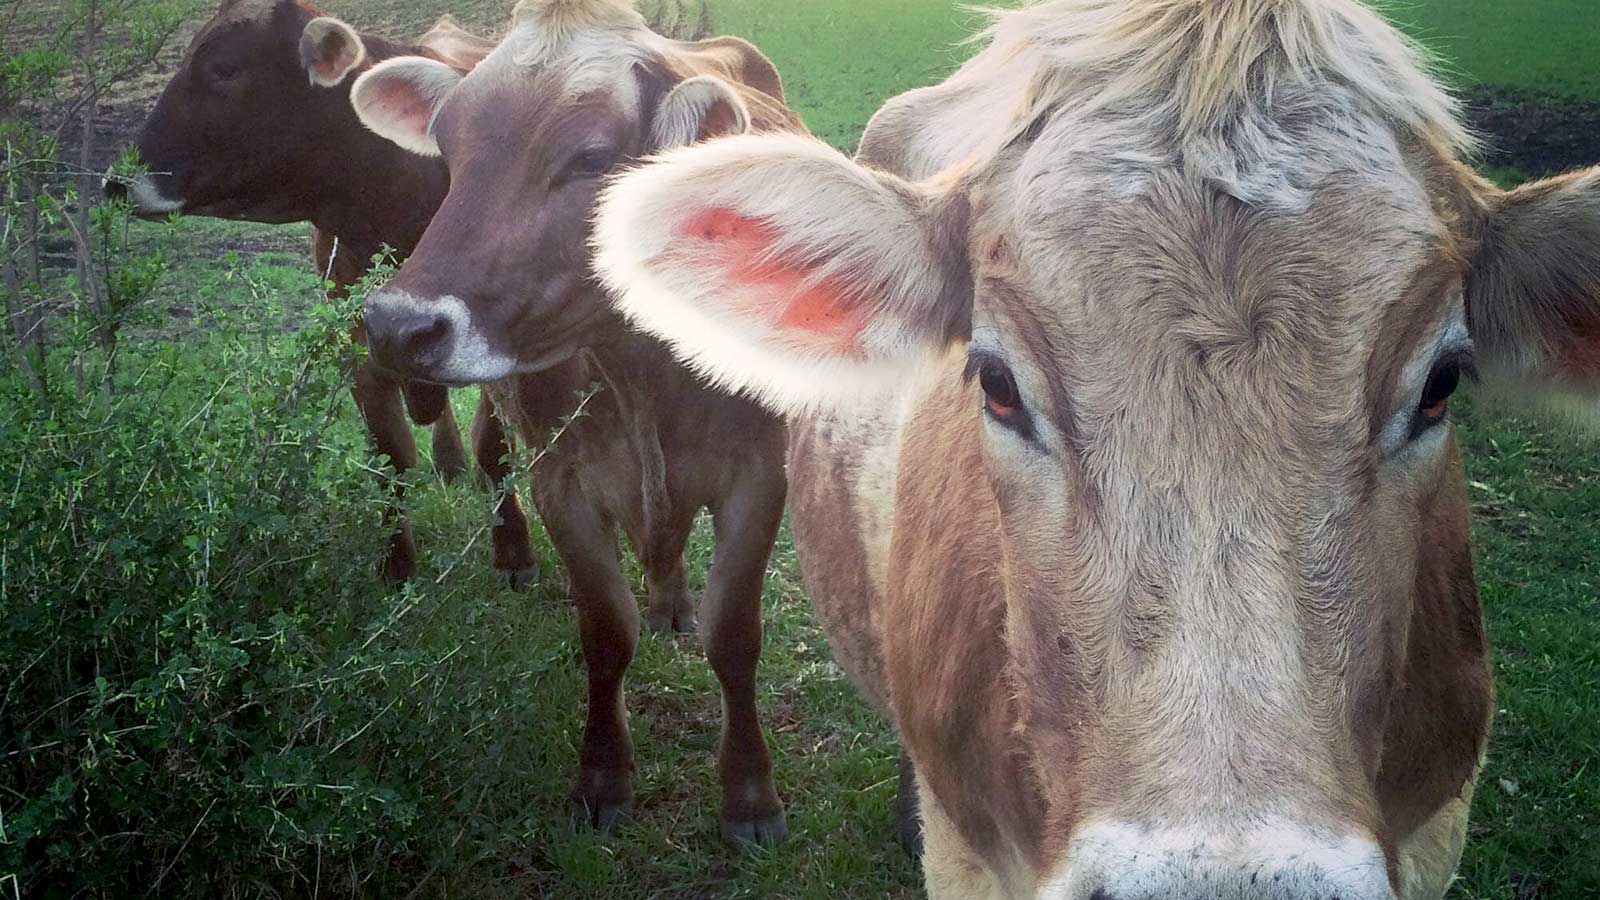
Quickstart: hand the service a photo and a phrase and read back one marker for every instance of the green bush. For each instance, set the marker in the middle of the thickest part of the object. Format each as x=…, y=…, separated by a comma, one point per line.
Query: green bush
x=185, y=582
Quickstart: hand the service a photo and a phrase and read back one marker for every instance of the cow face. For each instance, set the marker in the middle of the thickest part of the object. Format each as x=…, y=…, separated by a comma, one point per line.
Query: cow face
x=1176, y=362
x=248, y=116
x=501, y=280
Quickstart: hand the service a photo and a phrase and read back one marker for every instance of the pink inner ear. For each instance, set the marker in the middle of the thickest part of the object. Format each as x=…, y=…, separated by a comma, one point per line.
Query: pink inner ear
x=803, y=312
x=399, y=101
x=326, y=69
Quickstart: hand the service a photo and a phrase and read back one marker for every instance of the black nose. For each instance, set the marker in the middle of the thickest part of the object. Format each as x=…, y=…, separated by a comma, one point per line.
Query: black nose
x=406, y=338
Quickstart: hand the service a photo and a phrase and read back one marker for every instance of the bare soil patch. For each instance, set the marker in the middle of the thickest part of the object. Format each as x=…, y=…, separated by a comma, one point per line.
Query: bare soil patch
x=1536, y=133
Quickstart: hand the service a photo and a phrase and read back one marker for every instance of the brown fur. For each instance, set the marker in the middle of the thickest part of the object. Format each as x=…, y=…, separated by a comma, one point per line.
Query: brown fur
x=1536, y=281
x=511, y=242
x=310, y=159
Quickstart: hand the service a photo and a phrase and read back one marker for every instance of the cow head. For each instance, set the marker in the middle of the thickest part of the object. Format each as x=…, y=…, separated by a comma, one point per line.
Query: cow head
x=1175, y=362
x=258, y=104
x=501, y=280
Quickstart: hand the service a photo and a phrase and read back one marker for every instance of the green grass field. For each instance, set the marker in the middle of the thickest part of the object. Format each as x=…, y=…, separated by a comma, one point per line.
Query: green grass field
x=480, y=755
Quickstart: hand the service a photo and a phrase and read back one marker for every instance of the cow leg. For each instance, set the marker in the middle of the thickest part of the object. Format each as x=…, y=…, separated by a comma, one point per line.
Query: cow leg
x=449, y=455
x=671, y=608
x=746, y=523
x=513, y=548
x=608, y=627
x=378, y=397
x=908, y=817
x=429, y=404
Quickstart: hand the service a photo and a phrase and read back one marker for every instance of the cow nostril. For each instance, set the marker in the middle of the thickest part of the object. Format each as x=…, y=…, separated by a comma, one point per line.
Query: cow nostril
x=426, y=335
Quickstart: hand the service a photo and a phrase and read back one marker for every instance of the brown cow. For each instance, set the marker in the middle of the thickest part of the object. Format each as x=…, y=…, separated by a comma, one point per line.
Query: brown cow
x=500, y=284
x=256, y=124
x=1128, y=352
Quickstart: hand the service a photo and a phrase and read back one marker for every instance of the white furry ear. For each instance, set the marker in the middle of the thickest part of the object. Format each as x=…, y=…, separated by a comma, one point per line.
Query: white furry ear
x=775, y=266
x=330, y=50
x=397, y=99
x=701, y=107
x=1533, y=299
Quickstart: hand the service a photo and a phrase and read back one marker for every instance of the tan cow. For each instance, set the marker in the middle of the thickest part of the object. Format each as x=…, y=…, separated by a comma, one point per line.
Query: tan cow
x=501, y=285
x=1128, y=351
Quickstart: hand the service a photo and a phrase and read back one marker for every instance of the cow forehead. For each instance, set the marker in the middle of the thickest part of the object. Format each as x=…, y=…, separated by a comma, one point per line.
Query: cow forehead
x=574, y=61
x=1286, y=264
x=258, y=14
x=250, y=11
x=1203, y=237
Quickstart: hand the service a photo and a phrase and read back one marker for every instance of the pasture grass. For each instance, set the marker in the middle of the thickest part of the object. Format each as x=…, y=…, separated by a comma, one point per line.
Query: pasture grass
x=1544, y=45
x=483, y=754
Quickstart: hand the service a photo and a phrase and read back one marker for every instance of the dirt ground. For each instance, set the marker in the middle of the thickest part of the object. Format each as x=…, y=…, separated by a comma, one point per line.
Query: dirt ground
x=1536, y=134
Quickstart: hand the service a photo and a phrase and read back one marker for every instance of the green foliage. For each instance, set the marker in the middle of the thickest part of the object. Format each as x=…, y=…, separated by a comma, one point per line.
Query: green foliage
x=174, y=557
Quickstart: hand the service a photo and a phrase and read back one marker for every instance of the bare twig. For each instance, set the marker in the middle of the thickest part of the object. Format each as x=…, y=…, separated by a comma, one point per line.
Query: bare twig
x=182, y=847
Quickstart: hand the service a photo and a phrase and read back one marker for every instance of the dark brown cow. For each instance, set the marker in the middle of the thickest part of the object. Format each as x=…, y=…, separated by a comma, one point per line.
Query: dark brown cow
x=256, y=124
x=500, y=284
x=1123, y=471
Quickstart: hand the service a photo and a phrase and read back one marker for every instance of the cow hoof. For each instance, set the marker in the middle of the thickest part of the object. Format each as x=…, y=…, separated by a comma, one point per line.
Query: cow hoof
x=525, y=578
x=767, y=832
x=669, y=622
x=604, y=817
x=671, y=612
x=601, y=800
x=449, y=460
x=449, y=469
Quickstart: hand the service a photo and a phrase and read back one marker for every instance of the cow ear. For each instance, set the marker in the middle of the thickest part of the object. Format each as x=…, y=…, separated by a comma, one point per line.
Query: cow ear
x=397, y=99
x=698, y=108
x=777, y=267
x=454, y=45
x=1534, y=296
x=330, y=50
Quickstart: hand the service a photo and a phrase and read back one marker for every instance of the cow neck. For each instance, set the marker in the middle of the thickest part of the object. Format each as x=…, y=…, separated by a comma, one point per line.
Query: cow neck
x=377, y=193
x=632, y=369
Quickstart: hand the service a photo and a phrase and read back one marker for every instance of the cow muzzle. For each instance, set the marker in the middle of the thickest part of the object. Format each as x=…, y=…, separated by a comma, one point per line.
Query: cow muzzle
x=144, y=193
x=1114, y=861
x=430, y=340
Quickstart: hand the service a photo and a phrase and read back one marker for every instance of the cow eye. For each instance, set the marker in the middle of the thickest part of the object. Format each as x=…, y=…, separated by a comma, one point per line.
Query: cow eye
x=1434, y=405
x=1002, y=399
x=1000, y=395
x=225, y=71
x=590, y=163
